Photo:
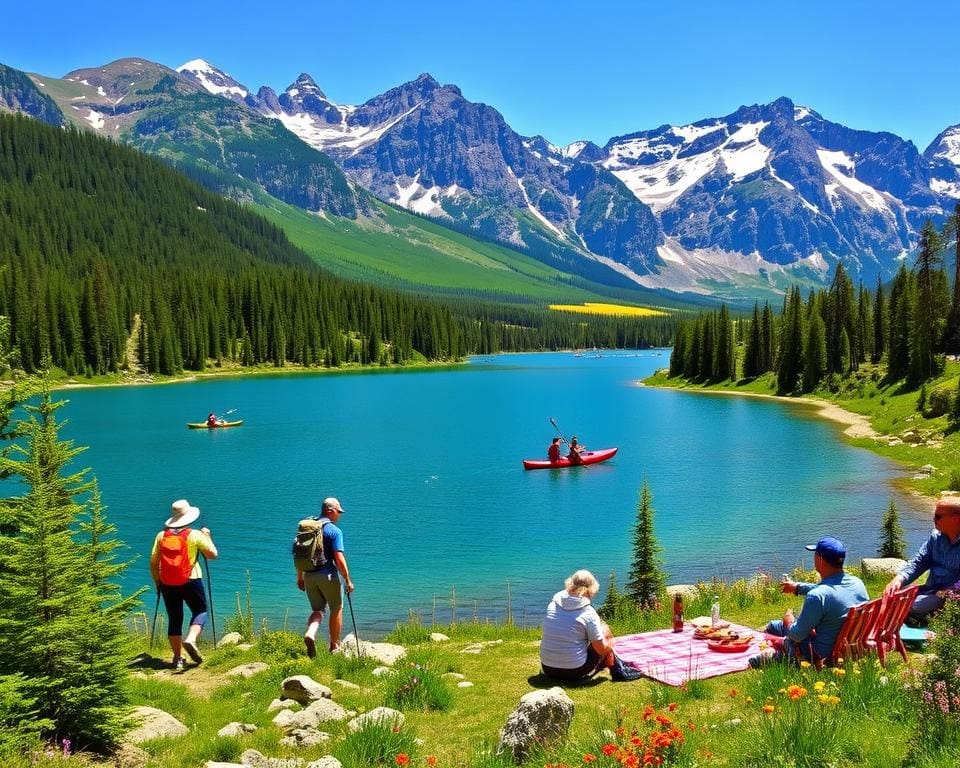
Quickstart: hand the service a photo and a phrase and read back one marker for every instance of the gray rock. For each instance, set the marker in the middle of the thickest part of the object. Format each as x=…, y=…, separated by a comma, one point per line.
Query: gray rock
x=381, y=671
x=255, y=759
x=247, y=670
x=236, y=729
x=325, y=710
x=346, y=684
x=304, y=689
x=130, y=756
x=231, y=638
x=328, y=761
x=542, y=716
x=378, y=715
x=305, y=737
x=282, y=704
x=154, y=724
x=464, y=684
x=385, y=653
x=887, y=567
x=438, y=637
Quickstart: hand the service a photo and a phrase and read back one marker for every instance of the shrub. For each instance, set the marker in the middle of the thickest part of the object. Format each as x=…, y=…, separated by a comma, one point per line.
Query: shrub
x=938, y=403
x=280, y=646
x=417, y=686
x=378, y=744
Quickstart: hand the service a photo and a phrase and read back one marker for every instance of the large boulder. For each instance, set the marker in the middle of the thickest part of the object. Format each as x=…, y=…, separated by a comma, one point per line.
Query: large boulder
x=542, y=716
x=304, y=689
x=887, y=567
x=231, y=638
x=236, y=729
x=385, y=653
x=154, y=724
x=305, y=737
x=320, y=711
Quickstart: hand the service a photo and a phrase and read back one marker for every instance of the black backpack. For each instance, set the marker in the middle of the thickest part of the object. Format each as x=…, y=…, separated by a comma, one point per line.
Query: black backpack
x=308, y=554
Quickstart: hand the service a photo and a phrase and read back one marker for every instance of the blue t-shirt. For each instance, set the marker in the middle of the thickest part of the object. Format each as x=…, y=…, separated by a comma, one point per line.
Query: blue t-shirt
x=825, y=609
x=332, y=542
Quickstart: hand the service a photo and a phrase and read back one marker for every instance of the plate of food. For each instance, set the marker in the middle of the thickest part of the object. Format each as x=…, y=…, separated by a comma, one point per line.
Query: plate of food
x=713, y=633
x=733, y=644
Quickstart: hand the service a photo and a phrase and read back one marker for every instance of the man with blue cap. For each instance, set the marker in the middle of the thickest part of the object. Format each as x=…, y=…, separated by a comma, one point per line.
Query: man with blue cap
x=825, y=606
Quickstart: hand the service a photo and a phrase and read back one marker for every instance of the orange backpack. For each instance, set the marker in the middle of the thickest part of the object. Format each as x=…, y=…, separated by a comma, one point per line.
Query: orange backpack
x=175, y=565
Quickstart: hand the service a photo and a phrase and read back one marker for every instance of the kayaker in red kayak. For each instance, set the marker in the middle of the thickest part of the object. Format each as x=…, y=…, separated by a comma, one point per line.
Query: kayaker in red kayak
x=575, y=449
x=553, y=452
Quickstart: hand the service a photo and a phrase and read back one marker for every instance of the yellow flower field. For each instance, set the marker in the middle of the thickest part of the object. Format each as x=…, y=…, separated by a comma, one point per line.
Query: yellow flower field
x=620, y=310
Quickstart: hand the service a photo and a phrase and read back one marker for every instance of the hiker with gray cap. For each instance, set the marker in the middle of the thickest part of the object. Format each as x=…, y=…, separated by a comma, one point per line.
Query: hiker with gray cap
x=825, y=606
x=322, y=584
x=176, y=571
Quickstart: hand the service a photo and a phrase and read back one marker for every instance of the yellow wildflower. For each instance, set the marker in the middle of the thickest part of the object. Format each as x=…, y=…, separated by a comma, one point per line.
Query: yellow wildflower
x=827, y=700
x=819, y=686
x=804, y=665
x=839, y=672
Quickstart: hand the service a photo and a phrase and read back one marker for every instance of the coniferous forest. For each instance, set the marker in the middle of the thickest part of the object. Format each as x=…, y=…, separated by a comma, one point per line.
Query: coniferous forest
x=910, y=325
x=112, y=260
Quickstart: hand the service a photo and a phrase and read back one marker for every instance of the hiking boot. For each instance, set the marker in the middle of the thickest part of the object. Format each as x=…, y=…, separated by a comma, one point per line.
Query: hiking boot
x=311, y=646
x=335, y=648
x=191, y=648
x=761, y=659
x=178, y=664
x=624, y=672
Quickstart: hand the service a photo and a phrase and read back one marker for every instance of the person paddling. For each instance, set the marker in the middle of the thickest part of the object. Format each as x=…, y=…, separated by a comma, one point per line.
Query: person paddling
x=575, y=449
x=553, y=452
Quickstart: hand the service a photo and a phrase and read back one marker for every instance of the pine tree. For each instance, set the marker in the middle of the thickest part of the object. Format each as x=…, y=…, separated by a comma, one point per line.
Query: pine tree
x=791, y=344
x=927, y=328
x=881, y=336
x=892, y=543
x=815, y=353
x=646, y=581
x=612, y=600
x=60, y=614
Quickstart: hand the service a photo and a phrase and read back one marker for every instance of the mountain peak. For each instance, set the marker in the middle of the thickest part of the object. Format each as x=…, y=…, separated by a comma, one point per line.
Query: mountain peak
x=304, y=86
x=213, y=80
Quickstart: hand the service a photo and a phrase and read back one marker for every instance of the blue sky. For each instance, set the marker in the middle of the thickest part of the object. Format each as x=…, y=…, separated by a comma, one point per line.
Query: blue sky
x=566, y=70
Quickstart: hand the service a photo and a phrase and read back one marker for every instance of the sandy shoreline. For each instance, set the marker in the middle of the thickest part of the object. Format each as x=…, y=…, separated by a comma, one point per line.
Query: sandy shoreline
x=857, y=425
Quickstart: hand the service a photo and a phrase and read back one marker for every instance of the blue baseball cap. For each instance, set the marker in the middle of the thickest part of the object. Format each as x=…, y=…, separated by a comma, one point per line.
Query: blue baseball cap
x=830, y=549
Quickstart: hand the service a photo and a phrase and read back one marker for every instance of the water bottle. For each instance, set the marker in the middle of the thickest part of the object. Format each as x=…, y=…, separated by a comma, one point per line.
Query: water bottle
x=715, y=611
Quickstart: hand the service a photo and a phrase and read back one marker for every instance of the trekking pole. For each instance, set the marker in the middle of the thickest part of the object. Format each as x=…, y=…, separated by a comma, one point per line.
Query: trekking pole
x=354, y=620
x=213, y=620
x=153, y=627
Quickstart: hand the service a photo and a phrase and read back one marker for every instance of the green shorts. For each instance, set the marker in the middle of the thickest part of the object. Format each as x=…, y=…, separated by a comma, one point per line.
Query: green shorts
x=323, y=590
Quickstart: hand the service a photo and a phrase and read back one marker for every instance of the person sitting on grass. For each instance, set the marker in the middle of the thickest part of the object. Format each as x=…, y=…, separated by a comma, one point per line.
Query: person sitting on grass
x=576, y=643
x=825, y=607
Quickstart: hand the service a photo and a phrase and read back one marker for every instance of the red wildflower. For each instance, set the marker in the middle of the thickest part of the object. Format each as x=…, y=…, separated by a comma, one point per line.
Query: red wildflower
x=402, y=759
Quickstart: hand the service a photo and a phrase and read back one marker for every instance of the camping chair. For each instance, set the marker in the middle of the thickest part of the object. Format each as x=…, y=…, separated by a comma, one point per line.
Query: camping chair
x=852, y=642
x=886, y=632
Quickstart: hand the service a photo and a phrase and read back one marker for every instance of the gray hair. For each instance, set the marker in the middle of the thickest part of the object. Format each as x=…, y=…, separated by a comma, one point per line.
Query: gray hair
x=582, y=583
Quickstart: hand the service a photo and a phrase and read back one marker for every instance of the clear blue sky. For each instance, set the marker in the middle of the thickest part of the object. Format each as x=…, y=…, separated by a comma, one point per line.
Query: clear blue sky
x=566, y=70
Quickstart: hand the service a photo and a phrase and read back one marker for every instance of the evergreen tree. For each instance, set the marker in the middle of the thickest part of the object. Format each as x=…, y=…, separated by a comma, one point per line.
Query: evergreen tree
x=892, y=543
x=927, y=328
x=902, y=300
x=725, y=359
x=646, y=581
x=612, y=600
x=752, y=352
x=60, y=615
x=815, y=353
x=791, y=344
x=953, y=419
x=951, y=334
x=880, y=324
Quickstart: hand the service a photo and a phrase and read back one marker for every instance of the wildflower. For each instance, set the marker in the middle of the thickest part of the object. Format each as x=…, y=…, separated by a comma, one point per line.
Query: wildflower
x=819, y=686
x=672, y=706
x=608, y=749
x=839, y=671
x=804, y=664
x=431, y=761
x=796, y=692
x=749, y=699
x=402, y=759
x=648, y=712
x=732, y=693
x=769, y=708
x=66, y=747
x=827, y=700
x=782, y=691
x=589, y=758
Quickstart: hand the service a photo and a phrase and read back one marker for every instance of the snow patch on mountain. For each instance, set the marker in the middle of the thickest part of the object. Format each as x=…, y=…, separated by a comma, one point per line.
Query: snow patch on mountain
x=95, y=119
x=950, y=146
x=658, y=171
x=337, y=136
x=212, y=79
x=841, y=167
x=533, y=209
x=416, y=197
x=571, y=151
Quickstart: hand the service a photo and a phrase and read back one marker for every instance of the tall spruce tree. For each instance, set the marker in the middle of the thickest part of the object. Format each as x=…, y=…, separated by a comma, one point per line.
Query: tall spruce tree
x=60, y=612
x=815, y=353
x=881, y=335
x=892, y=543
x=646, y=581
x=927, y=327
x=790, y=355
x=902, y=300
x=951, y=334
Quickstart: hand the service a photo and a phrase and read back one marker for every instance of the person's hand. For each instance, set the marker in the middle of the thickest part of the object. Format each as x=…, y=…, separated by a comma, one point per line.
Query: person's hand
x=895, y=583
x=788, y=618
x=788, y=586
x=348, y=586
x=300, y=585
x=205, y=531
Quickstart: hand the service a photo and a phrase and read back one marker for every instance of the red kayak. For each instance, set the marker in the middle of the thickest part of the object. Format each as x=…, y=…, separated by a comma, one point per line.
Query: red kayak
x=586, y=457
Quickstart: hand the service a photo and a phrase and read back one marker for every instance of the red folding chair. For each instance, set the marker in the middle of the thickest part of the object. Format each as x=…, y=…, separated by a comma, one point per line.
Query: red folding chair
x=886, y=632
x=852, y=642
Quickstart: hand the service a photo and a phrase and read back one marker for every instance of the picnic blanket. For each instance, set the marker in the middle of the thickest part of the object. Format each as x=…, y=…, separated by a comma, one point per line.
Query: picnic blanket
x=675, y=657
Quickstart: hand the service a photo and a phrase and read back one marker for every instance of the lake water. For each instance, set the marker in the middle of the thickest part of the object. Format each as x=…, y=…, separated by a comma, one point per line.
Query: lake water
x=440, y=516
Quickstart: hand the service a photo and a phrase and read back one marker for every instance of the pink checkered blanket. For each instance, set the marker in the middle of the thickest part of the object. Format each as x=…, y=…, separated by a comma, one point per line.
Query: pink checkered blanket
x=675, y=657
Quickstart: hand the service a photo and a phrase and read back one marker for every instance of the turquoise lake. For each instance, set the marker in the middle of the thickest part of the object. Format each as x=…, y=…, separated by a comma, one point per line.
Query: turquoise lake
x=441, y=517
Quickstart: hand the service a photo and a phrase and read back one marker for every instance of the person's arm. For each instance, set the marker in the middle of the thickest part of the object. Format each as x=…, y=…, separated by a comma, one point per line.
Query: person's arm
x=205, y=544
x=300, y=585
x=913, y=570
x=341, y=562
x=155, y=561
x=807, y=621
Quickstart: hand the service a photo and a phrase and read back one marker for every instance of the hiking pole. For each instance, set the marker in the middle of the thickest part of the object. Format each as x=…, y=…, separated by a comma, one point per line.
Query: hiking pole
x=213, y=620
x=354, y=620
x=153, y=627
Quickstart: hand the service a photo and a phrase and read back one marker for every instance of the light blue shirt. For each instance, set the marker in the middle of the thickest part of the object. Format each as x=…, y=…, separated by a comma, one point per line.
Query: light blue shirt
x=825, y=608
x=938, y=555
x=570, y=626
